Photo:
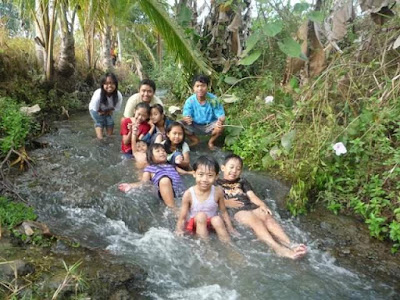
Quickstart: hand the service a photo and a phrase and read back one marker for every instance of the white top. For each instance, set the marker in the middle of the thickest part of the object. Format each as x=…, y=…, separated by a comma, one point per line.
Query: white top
x=135, y=100
x=95, y=102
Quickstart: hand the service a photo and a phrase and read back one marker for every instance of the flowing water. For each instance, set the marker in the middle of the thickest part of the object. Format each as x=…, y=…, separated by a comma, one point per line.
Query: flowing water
x=74, y=187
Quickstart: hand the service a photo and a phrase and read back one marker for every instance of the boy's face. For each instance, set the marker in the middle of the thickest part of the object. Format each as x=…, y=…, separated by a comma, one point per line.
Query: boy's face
x=200, y=89
x=146, y=93
x=205, y=177
x=141, y=115
x=232, y=169
x=141, y=146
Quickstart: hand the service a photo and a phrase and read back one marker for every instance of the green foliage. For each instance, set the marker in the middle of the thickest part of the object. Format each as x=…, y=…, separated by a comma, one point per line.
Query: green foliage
x=293, y=137
x=14, y=126
x=14, y=213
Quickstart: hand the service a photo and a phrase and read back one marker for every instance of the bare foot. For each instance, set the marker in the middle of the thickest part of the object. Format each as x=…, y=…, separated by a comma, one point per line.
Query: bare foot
x=212, y=147
x=294, y=253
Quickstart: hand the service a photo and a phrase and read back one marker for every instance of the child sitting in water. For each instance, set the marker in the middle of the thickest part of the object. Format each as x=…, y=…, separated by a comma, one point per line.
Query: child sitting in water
x=158, y=125
x=177, y=149
x=165, y=177
x=139, y=149
x=250, y=211
x=142, y=113
x=202, y=202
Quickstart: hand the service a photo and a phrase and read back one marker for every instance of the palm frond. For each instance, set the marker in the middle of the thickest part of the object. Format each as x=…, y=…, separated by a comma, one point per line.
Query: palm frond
x=174, y=38
x=144, y=46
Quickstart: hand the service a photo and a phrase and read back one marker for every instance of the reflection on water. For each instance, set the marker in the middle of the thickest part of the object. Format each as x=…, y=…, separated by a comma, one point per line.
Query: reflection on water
x=75, y=192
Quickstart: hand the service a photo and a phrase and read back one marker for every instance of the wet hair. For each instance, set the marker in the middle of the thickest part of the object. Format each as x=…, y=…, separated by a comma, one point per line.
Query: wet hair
x=201, y=78
x=235, y=157
x=148, y=82
x=167, y=143
x=207, y=161
x=149, y=153
x=103, y=93
x=144, y=105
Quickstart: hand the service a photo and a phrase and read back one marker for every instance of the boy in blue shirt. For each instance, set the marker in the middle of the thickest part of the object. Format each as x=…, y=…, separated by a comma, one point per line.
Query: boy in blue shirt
x=203, y=113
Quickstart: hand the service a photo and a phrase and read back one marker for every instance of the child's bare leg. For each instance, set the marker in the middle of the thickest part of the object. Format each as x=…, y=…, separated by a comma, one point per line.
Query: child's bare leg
x=201, y=225
x=166, y=191
x=251, y=220
x=194, y=140
x=99, y=132
x=220, y=229
x=273, y=227
x=214, y=135
x=110, y=130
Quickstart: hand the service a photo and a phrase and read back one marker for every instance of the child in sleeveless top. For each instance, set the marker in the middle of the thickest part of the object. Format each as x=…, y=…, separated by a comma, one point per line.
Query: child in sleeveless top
x=165, y=177
x=202, y=202
x=251, y=211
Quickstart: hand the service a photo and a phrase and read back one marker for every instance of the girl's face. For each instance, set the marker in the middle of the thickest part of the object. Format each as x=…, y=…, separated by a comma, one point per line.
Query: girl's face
x=159, y=155
x=141, y=115
x=175, y=135
x=141, y=146
x=109, y=86
x=156, y=116
x=205, y=177
x=146, y=93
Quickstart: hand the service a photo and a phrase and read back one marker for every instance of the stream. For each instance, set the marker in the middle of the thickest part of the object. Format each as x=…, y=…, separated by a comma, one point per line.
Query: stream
x=74, y=189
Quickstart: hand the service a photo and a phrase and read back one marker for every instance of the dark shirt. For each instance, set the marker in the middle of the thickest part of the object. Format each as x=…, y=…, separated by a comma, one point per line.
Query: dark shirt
x=237, y=189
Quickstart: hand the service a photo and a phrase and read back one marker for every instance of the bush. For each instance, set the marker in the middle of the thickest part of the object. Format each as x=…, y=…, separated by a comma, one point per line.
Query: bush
x=14, y=126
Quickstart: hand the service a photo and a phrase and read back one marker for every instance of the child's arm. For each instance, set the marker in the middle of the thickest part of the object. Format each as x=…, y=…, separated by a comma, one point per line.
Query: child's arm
x=184, y=172
x=186, y=160
x=134, y=139
x=219, y=194
x=257, y=201
x=126, y=138
x=126, y=187
x=186, y=200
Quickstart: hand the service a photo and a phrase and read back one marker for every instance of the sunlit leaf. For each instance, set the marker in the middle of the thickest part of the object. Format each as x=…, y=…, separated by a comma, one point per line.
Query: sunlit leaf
x=272, y=29
x=250, y=43
x=300, y=7
x=185, y=16
x=291, y=48
x=287, y=139
x=230, y=80
x=316, y=16
x=229, y=98
x=249, y=60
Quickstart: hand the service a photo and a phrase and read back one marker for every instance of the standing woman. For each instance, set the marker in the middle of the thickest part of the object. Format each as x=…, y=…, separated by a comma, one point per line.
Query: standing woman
x=105, y=101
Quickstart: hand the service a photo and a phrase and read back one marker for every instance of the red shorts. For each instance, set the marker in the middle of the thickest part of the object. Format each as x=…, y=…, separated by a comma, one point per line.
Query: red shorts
x=191, y=225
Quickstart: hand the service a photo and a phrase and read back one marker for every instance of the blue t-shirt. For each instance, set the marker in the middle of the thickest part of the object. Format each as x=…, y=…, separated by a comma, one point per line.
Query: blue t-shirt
x=205, y=113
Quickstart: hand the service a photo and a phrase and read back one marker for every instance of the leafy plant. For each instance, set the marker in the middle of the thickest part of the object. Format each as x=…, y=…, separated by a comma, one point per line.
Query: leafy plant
x=14, y=213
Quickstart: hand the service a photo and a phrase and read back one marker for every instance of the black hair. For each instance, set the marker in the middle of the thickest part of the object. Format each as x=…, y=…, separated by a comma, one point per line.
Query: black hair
x=149, y=153
x=201, y=78
x=167, y=143
x=160, y=110
x=207, y=161
x=148, y=82
x=103, y=93
x=144, y=105
x=233, y=156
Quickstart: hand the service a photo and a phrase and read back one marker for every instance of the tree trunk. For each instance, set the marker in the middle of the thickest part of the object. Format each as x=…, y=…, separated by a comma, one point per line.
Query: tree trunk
x=66, y=62
x=106, y=48
x=50, y=48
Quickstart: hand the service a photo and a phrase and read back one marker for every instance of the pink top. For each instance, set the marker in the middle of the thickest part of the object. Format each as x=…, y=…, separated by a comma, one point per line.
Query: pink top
x=209, y=206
